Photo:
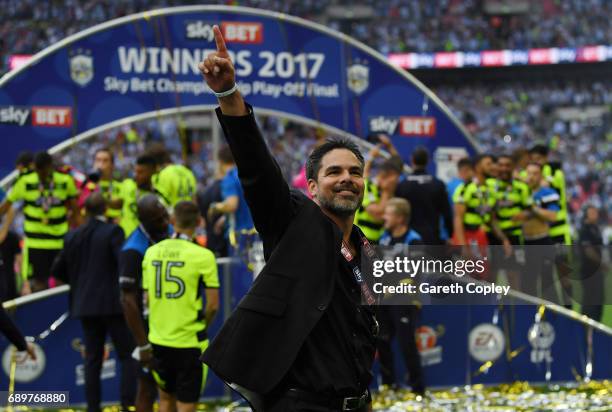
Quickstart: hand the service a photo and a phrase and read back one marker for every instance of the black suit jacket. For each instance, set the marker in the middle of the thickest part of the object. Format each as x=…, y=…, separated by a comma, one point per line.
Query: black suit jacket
x=261, y=339
x=429, y=200
x=89, y=263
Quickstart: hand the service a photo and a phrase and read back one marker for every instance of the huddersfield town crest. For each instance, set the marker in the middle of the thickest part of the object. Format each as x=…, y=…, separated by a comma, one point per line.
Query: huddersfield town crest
x=81, y=67
x=358, y=78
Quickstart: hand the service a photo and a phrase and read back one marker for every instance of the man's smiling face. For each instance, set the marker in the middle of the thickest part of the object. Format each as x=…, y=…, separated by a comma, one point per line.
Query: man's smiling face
x=339, y=185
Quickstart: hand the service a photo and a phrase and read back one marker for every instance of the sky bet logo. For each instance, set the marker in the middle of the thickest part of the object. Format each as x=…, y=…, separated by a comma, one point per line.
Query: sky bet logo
x=17, y=115
x=51, y=116
x=199, y=30
x=241, y=32
x=41, y=116
x=233, y=32
x=383, y=124
x=410, y=126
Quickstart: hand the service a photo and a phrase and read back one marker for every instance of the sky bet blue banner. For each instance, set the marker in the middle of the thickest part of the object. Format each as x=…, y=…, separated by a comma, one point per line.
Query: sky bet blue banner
x=454, y=344
x=140, y=64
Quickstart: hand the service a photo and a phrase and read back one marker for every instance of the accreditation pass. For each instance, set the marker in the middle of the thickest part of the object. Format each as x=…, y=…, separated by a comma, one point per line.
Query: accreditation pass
x=36, y=399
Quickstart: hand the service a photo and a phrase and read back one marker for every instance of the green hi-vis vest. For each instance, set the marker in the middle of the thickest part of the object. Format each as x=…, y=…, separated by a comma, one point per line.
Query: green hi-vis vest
x=512, y=199
x=111, y=190
x=173, y=273
x=176, y=183
x=371, y=228
x=479, y=201
x=44, y=208
x=560, y=228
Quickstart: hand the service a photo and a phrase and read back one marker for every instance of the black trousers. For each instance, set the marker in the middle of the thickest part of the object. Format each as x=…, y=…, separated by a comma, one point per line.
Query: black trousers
x=95, y=330
x=8, y=286
x=284, y=402
x=539, y=269
x=593, y=287
x=399, y=321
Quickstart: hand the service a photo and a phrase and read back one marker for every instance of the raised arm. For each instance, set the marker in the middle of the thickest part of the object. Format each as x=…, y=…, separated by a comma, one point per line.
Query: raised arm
x=265, y=189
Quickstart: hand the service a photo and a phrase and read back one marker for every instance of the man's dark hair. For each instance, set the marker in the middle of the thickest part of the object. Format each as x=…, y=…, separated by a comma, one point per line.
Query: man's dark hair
x=465, y=162
x=506, y=156
x=479, y=158
x=146, y=160
x=43, y=160
x=186, y=214
x=540, y=149
x=107, y=150
x=95, y=204
x=313, y=164
x=153, y=216
x=159, y=152
x=391, y=165
x=25, y=159
x=146, y=206
x=225, y=155
x=519, y=153
x=420, y=156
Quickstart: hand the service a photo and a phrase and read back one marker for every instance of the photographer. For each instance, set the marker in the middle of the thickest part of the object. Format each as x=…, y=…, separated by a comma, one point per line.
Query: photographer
x=101, y=179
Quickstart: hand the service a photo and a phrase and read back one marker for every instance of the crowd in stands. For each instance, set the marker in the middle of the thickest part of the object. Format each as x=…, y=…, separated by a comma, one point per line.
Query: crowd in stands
x=28, y=26
x=503, y=117
x=452, y=25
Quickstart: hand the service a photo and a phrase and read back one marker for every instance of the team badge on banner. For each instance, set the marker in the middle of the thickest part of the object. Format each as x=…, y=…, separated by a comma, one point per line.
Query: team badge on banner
x=81, y=67
x=358, y=78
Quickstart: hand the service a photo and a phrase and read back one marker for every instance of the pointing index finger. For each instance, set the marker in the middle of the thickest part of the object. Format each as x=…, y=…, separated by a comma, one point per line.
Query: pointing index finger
x=219, y=39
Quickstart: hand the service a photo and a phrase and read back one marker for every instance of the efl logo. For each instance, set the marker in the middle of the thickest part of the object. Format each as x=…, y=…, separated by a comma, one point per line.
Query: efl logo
x=417, y=126
x=50, y=116
x=240, y=32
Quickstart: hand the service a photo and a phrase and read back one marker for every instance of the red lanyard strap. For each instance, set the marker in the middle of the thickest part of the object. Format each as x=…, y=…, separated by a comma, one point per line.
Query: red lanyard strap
x=366, y=293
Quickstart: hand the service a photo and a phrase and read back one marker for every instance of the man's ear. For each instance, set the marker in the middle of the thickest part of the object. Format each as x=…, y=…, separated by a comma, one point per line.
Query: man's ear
x=312, y=187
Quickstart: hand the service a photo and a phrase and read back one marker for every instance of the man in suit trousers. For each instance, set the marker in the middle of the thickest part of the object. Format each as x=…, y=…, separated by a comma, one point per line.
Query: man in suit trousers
x=88, y=263
x=300, y=340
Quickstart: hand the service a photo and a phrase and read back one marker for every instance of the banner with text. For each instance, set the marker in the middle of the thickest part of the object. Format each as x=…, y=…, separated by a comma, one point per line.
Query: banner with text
x=148, y=62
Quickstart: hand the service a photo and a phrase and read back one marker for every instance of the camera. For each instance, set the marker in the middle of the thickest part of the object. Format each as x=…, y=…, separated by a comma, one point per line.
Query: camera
x=94, y=176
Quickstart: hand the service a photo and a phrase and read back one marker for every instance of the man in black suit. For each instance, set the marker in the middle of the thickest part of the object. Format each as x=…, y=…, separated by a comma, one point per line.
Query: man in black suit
x=215, y=238
x=300, y=340
x=88, y=263
x=429, y=200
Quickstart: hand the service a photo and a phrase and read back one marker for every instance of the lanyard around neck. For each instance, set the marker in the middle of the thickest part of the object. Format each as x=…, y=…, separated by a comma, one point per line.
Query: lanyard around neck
x=366, y=293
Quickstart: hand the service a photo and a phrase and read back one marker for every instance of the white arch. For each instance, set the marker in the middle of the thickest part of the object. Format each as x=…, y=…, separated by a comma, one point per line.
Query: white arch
x=185, y=110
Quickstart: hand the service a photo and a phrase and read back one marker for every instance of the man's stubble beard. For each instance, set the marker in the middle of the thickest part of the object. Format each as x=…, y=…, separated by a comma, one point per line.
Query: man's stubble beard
x=340, y=207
